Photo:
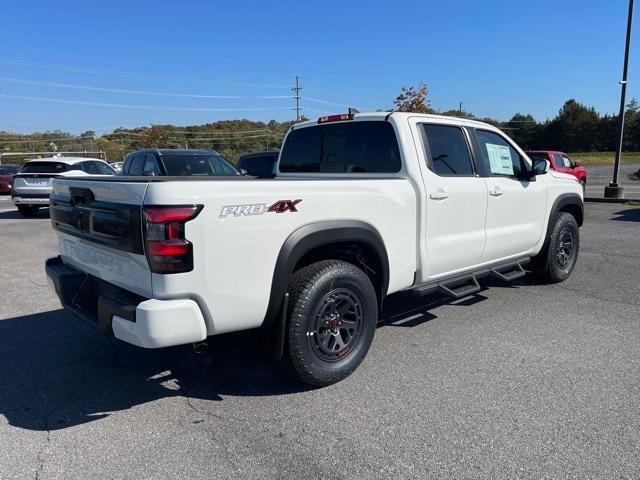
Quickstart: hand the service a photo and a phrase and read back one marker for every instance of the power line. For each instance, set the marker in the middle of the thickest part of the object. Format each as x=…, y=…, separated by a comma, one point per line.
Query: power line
x=317, y=100
x=227, y=132
x=142, y=107
x=64, y=139
x=220, y=138
x=137, y=92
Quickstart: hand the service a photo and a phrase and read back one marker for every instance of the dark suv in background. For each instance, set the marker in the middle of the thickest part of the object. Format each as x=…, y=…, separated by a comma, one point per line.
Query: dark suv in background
x=177, y=163
x=259, y=164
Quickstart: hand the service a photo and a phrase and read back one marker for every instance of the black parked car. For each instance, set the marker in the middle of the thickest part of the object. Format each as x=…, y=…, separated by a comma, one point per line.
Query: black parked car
x=259, y=164
x=177, y=163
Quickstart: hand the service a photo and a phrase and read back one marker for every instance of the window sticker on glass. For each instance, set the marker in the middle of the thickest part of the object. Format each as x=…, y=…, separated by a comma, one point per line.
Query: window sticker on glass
x=499, y=159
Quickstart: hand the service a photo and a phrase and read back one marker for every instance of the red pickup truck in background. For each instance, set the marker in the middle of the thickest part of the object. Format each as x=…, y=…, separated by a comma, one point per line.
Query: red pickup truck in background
x=561, y=162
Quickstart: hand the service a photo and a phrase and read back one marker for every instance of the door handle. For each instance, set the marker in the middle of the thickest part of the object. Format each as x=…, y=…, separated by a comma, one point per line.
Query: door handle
x=439, y=194
x=495, y=192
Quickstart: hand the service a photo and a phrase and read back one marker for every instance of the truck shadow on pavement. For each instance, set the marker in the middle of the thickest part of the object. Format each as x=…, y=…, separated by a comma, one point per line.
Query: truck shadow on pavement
x=628, y=215
x=14, y=215
x=57, y=372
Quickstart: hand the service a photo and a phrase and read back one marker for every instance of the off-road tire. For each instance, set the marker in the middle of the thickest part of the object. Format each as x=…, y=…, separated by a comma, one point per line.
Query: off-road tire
x=555, y=263
x=327, y=299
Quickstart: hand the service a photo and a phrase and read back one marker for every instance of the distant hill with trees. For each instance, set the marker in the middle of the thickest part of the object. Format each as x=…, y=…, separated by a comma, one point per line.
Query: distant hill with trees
x=576, y=128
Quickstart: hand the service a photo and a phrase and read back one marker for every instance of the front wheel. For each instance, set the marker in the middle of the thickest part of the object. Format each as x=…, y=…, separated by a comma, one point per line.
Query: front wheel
x=556, y=262
x=332, y=317
x=28, y=210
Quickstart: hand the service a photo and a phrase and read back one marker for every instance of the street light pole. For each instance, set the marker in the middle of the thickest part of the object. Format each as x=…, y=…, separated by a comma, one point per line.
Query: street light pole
x=614, y=190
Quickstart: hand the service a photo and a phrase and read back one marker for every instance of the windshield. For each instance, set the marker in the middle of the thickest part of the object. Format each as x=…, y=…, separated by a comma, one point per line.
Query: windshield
x=9, y=169
x=205, y=164
x=44, y=167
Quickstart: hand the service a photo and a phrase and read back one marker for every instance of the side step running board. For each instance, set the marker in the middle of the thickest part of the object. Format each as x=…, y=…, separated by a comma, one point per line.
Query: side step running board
x=462, y=285
x=458, y=290
x=510, y=273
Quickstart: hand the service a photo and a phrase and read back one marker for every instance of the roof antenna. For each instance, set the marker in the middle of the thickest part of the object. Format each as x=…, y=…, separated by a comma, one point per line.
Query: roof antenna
x=353, y=111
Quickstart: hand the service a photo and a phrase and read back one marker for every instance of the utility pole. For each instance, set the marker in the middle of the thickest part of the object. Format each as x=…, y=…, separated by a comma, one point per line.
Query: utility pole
x=296, y=90
x=460, y=108
x=614, y=190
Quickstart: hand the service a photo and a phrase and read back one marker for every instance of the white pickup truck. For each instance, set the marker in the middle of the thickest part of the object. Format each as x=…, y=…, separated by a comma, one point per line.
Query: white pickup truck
x=363, y=205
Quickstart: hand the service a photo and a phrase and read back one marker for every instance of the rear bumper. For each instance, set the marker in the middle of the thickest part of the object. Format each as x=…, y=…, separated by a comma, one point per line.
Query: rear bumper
x=29, y=198
x=147, y=323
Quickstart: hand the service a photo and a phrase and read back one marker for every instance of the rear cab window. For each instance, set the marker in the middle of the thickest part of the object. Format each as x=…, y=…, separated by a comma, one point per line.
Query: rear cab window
x=342, y=148
x=44, y=167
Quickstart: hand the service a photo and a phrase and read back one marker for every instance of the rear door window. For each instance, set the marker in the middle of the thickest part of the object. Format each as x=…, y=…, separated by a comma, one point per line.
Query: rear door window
x=348, y=147
x=448, y=152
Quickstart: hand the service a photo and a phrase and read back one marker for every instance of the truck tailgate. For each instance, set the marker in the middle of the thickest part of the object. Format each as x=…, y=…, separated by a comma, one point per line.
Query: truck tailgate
x=99, y=228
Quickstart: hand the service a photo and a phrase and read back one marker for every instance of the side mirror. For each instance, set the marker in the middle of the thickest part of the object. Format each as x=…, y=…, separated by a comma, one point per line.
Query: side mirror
x=577, y=163
x=539, y=166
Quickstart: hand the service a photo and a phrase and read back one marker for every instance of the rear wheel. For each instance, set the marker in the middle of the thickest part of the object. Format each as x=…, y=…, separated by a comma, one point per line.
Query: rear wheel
x=28, y=210
x=556, y=262
x=332, y=316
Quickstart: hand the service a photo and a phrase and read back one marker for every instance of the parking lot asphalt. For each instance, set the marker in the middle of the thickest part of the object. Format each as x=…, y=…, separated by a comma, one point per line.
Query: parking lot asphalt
x=598, y=176
x=518, y=381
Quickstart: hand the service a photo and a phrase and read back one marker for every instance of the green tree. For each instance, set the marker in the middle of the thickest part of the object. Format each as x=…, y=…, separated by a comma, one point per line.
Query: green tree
x=573, y=129
x=457, y=113
x=524, y=130
x=632, y=126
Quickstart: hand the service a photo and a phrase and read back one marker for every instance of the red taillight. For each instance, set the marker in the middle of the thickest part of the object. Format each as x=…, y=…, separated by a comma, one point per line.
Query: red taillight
x=167, y=249
x=164, y=249
x=336, y=118
x=170, y=214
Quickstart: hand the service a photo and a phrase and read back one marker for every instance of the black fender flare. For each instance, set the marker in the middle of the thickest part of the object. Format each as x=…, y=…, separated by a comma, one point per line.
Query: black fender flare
x=559, y=203
x=314, y=235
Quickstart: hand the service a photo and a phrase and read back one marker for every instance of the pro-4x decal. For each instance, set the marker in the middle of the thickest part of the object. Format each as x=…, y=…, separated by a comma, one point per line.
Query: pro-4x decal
x=281, y=206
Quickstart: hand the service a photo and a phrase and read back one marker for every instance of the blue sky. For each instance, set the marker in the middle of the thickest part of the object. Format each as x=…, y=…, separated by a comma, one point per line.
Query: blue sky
x=497, y=57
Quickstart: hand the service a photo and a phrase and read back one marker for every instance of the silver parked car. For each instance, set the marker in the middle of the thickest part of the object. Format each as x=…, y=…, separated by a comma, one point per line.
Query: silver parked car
x=32, y=186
